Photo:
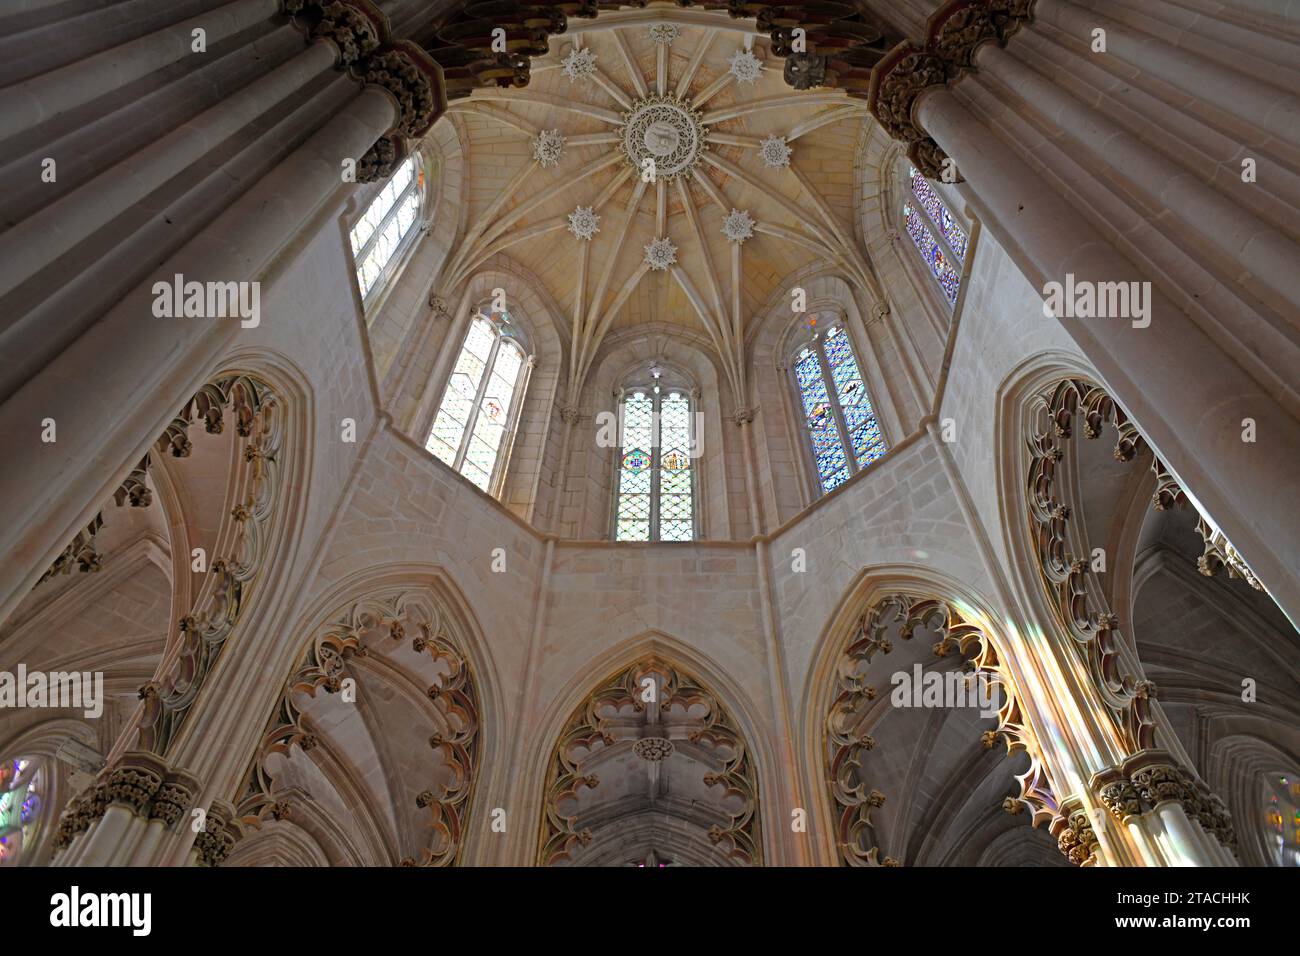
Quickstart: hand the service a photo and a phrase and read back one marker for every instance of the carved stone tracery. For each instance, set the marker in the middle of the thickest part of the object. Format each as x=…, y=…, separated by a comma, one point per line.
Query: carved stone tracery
x=203, y=631
x=1092, y=627
x=847, y=743
x=366, y=627
x=711, y=731
x=1143, y=782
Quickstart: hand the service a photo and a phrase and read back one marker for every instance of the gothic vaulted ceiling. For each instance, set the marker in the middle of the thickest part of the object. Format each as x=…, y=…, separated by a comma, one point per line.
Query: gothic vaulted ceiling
x=659, y=168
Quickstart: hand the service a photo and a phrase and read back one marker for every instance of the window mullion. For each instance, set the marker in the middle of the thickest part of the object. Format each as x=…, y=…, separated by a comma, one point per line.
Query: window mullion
x=620, y=443
x=695, y=472
x=656, y=436
x=472, y=420
x=936, y=229
x=833, y=399
x=805, y=430
x=383, y=223
x=506, y=447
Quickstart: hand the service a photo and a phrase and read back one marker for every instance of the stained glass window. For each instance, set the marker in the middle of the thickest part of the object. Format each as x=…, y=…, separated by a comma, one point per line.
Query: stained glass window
x=837, y=412
x=939, y=214
x=385, y=227
x=476, y=419
x=936, y=234
x=21, y=791
x=656, y=473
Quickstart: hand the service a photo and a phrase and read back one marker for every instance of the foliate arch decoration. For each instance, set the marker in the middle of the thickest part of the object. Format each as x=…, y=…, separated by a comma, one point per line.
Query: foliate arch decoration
x=377, y=625
x=677, y=710
x=1093, y=626
x=240, y=551
x=1148, y=776
x=138, y=775
x=847, y=742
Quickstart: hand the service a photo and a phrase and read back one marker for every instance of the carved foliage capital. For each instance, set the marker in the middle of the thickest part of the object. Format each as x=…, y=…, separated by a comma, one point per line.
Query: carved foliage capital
x=1075, y=836
x=218, y=836
x=415, y=82
x=382, y=159
x=139, y=780
x=356, y=28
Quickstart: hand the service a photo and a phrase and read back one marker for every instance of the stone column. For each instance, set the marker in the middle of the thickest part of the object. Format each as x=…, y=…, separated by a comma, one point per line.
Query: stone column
x=144, y=366
x=1188, y=397
x=130, y=803
x=744, y=420
x=1169, y=818
x=35, y=100
x=50, y=233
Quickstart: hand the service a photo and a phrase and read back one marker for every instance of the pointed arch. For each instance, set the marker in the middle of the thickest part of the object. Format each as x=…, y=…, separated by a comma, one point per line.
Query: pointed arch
x=880, y=605
x=666, y=706
x=407, y=629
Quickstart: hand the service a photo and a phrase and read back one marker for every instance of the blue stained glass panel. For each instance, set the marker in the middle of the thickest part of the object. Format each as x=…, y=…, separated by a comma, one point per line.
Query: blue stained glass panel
x=939, y=214
x=925, y=243
x=832, y=358
x=828, y=447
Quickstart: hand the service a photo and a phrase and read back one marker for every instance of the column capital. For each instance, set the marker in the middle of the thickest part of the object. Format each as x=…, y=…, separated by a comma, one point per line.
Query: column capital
x=953, y=35
x=355, y=28
x=741, y=416
x=382, y=159
x=1152, y=778
x=413, y=79
x=143, y=782
x=1074, y=834
x=219, y=835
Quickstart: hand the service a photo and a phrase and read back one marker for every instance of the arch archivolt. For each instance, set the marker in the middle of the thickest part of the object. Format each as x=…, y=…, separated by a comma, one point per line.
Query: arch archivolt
x=234, y=508
x=731, y=749
x=1241, y=755
x=394, y=673
x=1094, y=543
x=652, y=716
x=857, y=708
x=240, y=548
x=1064, y=555
x=41, y=740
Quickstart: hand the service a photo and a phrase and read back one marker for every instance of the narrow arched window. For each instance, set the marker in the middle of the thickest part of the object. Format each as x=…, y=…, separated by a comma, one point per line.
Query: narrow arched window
x=656, y=474
x=476, y=419
x=940, y=240
x=386, y=228
x=838, y=418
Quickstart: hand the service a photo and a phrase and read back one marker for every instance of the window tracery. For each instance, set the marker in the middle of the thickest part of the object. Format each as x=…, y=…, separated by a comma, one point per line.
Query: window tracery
x=655, y=498
x=479, y=411
x=386, y=227
x=838, y=417
x=936, y=234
